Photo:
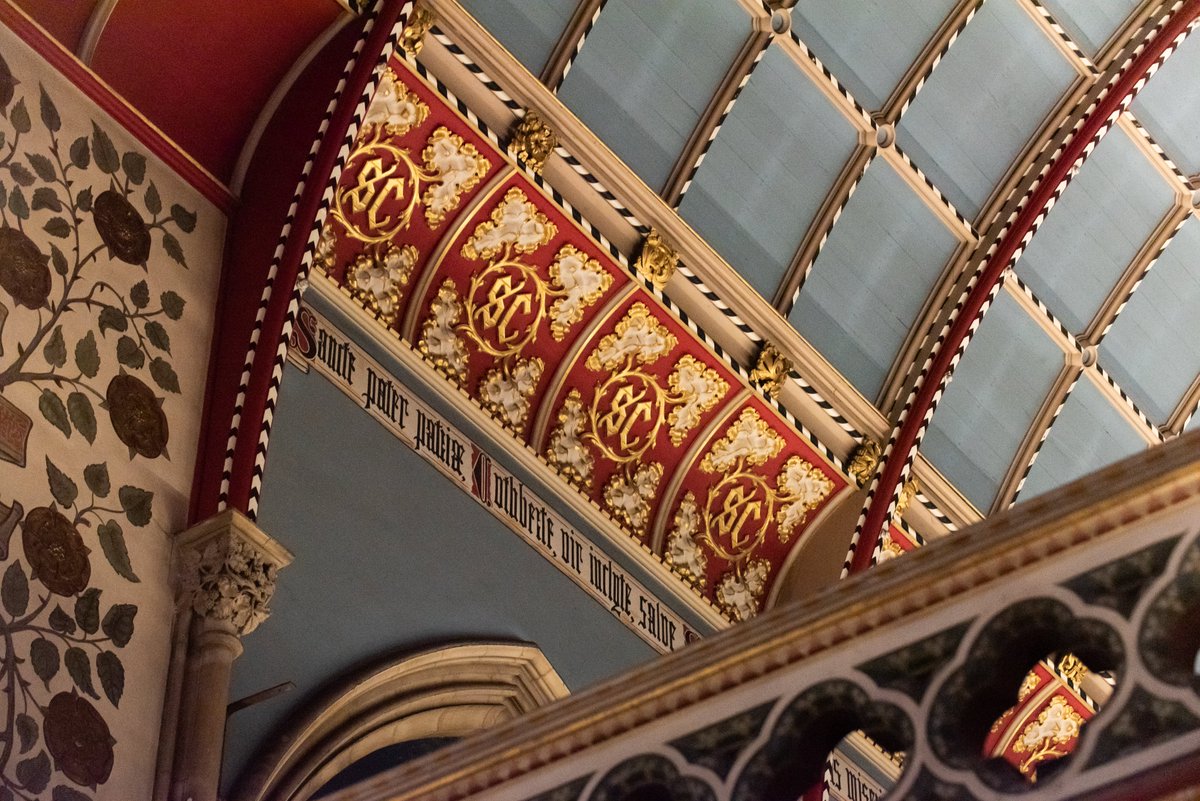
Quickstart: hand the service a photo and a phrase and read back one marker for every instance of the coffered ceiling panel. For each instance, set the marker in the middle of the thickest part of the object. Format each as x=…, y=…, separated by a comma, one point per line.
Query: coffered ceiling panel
x=648, y=72
x=1095, y=230
x=984, y=102
x=1170, y=106
x=529, y=29
x=1153, y=350
x=777, y=155
x=1088, y=434
x=998, y=387
x=1091, y=22
x=867, y=286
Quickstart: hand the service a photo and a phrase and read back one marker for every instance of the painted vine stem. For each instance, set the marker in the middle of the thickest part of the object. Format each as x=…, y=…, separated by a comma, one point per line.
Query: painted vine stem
x=60, y=638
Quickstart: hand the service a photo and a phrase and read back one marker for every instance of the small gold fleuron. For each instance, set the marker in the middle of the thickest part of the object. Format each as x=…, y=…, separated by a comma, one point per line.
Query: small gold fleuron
x=1072, y=667
x=770, y=371
x=533, y=141
x=657, y=261
x=863, y=461
x=419, y=23
x=907, y=493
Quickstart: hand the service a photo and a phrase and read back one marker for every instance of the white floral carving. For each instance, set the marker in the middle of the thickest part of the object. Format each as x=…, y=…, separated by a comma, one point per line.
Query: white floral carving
x=516, y=223
x=458, y=167
x=749, y=438
x=803, y=487
x=506, y=393
x=439, y=342
x=738, y=595
x=639, y=336
x=393, y=107
x=629, y=495
x=582, y=280
x=698, y=387
x=684, y=554
x=567, y=451
x=377, y=280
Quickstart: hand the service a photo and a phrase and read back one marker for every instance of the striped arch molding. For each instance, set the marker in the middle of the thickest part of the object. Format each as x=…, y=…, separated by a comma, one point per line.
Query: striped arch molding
x=937, y=370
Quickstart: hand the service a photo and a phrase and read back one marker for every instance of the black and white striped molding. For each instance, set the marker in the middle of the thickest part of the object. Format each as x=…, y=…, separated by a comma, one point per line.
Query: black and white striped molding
x=1064, y=37
x=937, y=59
x=1045, y=435
x=578, y=48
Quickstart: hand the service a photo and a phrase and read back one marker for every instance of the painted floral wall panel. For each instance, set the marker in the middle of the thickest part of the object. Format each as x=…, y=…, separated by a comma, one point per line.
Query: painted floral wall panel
x=108, y=273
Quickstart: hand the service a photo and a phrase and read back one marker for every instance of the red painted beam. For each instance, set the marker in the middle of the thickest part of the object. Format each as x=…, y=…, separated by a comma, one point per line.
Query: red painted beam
x=912, y=424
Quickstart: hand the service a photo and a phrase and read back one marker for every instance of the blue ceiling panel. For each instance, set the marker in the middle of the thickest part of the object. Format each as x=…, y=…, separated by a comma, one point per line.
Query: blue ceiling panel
x=1169, y=106
x=528, y=29
x=763, y=180
x=1091, y=23
x=998, y=387
x=1153, y=350
x=1193, y=424
x=1088, y=434
x=984, y=103
x=648, y=71
x=1095, y=230
x=869, y=44
x=872, y=277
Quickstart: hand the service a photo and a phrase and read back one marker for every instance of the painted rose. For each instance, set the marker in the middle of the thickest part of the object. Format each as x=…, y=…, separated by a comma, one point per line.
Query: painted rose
x=24, y=270
x=121, y=227
x=137, y=416
x=79, y=740
x=55, y=551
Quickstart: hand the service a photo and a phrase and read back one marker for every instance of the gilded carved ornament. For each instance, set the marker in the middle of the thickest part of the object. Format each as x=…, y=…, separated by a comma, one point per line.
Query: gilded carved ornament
x=907, y=493
x=412, y=39
x=657, y=261
x=1048, y=737
x=863, y=461
x=533, y=141
x=770, y=371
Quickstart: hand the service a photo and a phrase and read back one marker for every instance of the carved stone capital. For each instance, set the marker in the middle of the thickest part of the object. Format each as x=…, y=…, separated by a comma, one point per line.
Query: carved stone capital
x=226, y=569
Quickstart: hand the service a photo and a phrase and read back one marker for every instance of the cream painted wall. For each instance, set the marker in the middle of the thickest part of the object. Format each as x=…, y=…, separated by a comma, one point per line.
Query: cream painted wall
x=109, y=266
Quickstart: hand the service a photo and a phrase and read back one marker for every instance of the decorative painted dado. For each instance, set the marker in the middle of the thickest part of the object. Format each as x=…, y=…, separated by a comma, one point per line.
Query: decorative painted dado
x=922, y=659
x=435, y=232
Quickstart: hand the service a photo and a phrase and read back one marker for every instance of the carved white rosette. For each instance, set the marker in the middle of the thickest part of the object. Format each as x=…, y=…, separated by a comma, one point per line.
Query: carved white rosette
x=227, y=570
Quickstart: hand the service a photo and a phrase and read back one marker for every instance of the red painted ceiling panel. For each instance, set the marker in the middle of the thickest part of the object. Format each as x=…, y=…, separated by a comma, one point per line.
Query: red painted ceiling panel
x=64, y=21
x=203, y=71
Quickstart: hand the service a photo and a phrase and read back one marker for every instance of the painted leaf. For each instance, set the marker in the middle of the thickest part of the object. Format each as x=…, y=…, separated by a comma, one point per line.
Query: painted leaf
x=172, y=305
x=79, y=666
x=55, y=351
x=118, y=623
x=186, y=220
x=83, y=201
x=96, y=478
x=171, y=245
x=137, y=504
x=112, y=541
x=21, y=174
x=3, y=191
x=58, y=227
x=135, y=167
x=52, y=408
x=64, y=793
x=129, y=354
x=158, y=337
x=49, y=112
x=87, y=355
x=64, y=490
x=44, y=656
x=34, y=773
x=87, y=610
x=112, y=676
x=58, y=259
x=61, y=622
x=164, y=375
x=14, y=590
x=27, y=732
x=43, y=166
x=82, y=415
x=139, y=294
x=17, y=204
x=153, y=201
x=103, y=151
x=81, y=156
x=19, y=117
x=44, y=197
x=111, y=317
